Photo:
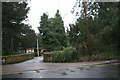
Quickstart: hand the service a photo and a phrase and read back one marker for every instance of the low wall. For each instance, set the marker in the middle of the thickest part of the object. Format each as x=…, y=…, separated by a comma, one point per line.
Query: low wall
x=46, y=58
x=16, y=59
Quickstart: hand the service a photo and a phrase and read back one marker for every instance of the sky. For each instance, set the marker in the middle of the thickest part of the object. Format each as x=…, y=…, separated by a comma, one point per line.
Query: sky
x=38, y=7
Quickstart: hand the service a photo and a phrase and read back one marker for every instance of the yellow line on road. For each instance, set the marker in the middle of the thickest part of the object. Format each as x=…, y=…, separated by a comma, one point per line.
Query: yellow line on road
x=116, y=63
x=57, y=69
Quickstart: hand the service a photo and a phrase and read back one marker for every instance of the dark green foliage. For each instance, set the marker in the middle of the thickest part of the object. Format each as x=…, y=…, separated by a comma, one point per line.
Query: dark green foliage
x=101, y=56
x=73, y=35
x=104, y=30
x=45, y=32
x=69, y=54
x=77, y=36
x=105, y=37
x=15, y=35
x=27, y=38
x=52, y=32
x=59, y=29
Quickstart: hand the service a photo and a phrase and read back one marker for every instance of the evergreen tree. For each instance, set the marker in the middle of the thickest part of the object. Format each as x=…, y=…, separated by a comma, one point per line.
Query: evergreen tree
x=59, y=29
x=44, y=31
x=108, y=23
x=12, y=15
x=52, y=32
x=104, y=28
x=27, y=38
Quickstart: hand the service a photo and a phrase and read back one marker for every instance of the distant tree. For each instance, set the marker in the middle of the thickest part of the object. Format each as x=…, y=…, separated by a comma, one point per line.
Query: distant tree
x=27, y=38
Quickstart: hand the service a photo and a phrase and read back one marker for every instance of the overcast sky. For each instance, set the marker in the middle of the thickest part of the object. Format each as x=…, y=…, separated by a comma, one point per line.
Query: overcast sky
x=38, y=7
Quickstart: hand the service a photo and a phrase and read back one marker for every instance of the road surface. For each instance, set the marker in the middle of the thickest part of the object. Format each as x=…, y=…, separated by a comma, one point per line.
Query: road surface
x=35, y=68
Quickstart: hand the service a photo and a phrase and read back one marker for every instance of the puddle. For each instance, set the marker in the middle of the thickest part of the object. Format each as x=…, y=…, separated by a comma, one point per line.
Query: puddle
x=92, y=66
x=72, y=71
x=37, y=71
x=64, y=73
x=80, y=68
x=20, y=73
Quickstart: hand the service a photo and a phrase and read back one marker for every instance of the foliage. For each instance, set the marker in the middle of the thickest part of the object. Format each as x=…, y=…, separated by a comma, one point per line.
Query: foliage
x=101, y=56
x=52, y=33
x=16, y=35
x=69, y=54
x=27, y=38
x=103, y=30
x=105, y=35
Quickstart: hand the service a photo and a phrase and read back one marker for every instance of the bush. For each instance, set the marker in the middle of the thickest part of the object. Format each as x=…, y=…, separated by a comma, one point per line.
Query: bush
x=67, y=55
x=70, y=54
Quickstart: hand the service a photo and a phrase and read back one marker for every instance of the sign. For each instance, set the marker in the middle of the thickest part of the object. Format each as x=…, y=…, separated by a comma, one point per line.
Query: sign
x=4, y=60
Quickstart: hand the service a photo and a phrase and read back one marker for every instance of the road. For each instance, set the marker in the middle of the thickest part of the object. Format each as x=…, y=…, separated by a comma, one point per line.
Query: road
x=35, y=68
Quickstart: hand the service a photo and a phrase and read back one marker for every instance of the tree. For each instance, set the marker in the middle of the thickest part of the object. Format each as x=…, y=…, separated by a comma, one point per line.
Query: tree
x=12, y=15
x=59, y=29
x=44, y=30
x=27, y=38
x=108, y=23
x=52, y=32
x=86, y=11
x=88, y=33
x=77, y=36
x=103, y=28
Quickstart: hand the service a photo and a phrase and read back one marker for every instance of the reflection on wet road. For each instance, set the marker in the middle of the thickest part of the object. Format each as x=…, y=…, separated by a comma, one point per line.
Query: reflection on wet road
x=93, y=71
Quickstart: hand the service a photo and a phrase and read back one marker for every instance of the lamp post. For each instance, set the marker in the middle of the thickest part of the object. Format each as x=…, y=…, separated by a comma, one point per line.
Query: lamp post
x=37, y=46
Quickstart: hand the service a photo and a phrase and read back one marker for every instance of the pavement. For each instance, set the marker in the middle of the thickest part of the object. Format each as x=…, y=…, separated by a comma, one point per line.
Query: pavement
x=37, y=64
x=110, y=71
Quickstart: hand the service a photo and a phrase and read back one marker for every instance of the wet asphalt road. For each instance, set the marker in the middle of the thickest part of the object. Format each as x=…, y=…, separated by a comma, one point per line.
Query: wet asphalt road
x=111, y=70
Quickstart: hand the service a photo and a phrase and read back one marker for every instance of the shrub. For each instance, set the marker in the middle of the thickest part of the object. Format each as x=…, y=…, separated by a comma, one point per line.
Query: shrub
x=67, y=55
x=70, y=54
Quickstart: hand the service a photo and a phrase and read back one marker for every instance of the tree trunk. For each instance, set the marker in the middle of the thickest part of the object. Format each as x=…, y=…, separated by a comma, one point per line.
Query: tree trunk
x=87, y=29
x=12, y=45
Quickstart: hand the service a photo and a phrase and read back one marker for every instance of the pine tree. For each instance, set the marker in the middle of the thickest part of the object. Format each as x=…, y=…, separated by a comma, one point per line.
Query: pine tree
x=12, y=15
x=52, y=32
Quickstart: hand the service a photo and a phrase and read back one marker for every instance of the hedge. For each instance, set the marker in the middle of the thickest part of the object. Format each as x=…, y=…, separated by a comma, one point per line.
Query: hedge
x=17, y=58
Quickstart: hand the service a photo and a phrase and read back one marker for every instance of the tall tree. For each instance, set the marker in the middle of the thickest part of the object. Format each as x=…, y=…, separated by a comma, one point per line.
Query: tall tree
x=44, y=30
x=12, y=15
x=108, y=23
x=52, y=31
x=103, y=27
x=59, y=29
x=88, y=33
x=86, y=11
